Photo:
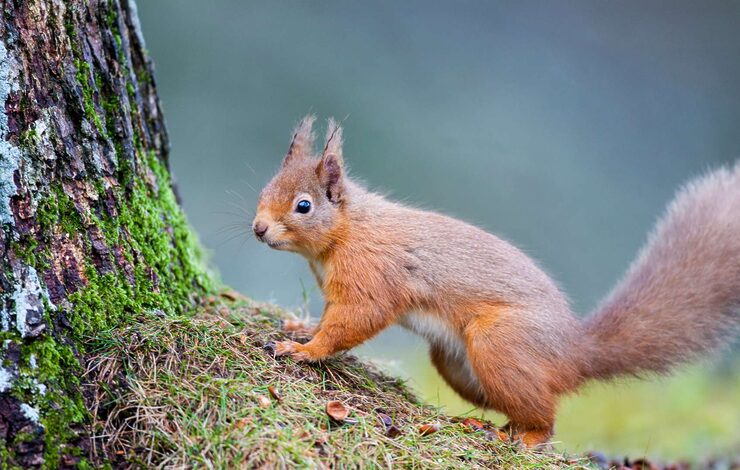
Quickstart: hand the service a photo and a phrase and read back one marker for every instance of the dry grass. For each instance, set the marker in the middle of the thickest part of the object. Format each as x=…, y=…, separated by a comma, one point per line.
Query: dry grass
x=188, y=392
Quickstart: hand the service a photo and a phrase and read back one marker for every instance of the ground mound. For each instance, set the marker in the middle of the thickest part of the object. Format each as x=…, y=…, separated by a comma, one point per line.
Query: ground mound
x=203, y=390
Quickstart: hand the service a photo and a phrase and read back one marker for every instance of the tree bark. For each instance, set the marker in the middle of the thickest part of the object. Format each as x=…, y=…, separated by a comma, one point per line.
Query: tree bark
x=92, y=234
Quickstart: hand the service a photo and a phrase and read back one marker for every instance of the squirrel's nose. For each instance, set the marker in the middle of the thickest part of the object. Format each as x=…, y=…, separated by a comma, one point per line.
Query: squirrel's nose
x=260, y=228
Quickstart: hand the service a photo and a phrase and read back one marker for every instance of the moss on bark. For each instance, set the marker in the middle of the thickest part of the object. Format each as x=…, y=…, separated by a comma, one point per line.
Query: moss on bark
x=92, y=233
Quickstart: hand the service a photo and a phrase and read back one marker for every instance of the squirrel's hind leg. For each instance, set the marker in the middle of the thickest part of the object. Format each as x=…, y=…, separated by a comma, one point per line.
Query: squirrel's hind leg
x=513, y=379
x=458, y=374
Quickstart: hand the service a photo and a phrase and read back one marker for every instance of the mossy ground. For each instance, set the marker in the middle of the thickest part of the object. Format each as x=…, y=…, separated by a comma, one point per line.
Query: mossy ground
x=191, y=391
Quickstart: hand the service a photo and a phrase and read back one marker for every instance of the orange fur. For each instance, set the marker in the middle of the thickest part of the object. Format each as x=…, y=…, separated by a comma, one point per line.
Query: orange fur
x=500, y=331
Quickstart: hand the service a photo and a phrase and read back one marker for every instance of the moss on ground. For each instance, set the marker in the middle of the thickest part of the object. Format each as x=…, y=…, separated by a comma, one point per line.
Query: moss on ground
x=190, y=391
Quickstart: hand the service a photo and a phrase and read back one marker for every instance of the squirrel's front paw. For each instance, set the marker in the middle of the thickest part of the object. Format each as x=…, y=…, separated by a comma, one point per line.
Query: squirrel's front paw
x=283, y=348
x=296, y=350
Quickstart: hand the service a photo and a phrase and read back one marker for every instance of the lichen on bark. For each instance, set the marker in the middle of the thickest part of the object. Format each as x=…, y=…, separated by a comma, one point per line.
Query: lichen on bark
x=92, y=232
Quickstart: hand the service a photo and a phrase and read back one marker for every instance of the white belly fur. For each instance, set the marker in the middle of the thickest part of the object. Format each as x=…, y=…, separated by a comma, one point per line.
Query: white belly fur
x=434, y=330
x=437, y=332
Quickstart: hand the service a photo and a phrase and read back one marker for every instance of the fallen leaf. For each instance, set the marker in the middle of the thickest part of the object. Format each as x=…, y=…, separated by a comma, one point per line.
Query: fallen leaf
x=232, y=295
x=69, y=461
x=263, y=401
x=427, y=429
x=643, y=464
x=242, y=423
x=337, y=410
x=472, y=423
x=393, y=431
x=275, y=394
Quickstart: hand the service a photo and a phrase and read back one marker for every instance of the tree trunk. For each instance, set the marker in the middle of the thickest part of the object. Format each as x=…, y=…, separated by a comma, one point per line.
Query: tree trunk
x=92, y=234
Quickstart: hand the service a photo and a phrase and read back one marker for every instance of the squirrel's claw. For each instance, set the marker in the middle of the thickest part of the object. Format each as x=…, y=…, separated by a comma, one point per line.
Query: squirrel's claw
x=301, y=356
x=283, y=348
x=293, y=349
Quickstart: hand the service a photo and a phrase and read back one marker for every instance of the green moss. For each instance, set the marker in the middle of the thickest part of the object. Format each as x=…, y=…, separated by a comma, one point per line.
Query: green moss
x=151, y=232
x=153, y=235
x=111, y=105
x=28, y=138
x=111, y=20
x=5, y=457
x=58, y=209
x=25, y=249
x=131, y=93
x=159, y=268
x=83, y=77
x=84, y=464
x=110, y=15
x=143, y=77
x=101, y=303
x=60, y=404
x=168, y=273
x=22, y=437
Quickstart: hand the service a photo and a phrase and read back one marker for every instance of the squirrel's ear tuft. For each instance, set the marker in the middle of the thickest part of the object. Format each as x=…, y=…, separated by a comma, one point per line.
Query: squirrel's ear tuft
x=302, y=144
x=333, y=139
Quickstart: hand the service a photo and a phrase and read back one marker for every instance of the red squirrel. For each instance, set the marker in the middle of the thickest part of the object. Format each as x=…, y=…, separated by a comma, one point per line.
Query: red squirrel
x=500, y=331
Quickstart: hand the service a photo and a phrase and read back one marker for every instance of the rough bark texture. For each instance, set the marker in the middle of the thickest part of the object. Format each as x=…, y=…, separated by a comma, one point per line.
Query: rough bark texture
x=91, y=233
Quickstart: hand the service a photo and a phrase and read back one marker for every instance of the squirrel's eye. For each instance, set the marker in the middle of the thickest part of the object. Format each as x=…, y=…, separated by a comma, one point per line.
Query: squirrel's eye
x=303, y=206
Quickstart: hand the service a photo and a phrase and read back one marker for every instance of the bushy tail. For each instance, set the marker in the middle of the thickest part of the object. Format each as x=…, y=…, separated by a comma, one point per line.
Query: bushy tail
x=681, y=296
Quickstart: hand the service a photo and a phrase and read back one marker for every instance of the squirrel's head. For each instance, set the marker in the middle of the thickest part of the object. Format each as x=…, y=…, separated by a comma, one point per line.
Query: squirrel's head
x=300, y=209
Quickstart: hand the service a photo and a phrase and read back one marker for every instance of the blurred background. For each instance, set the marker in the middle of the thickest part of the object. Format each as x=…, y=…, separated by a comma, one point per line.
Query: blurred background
x=564, y=128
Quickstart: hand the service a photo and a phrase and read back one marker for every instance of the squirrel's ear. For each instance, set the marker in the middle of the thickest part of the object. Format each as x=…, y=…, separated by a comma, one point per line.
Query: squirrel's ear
x=331, y=167
x=331, y=174
x=302, y=144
